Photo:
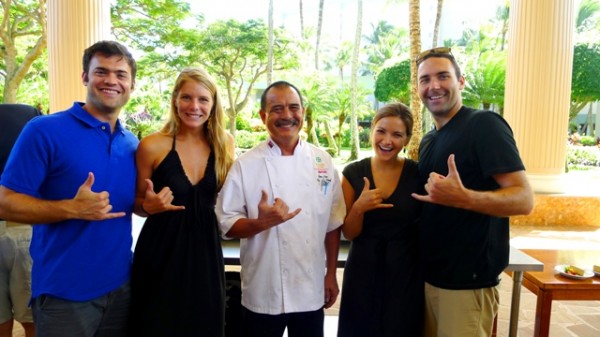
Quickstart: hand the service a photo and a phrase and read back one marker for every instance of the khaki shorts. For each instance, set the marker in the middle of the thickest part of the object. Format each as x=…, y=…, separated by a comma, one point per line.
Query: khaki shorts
x=15, y=273
x=465, y=313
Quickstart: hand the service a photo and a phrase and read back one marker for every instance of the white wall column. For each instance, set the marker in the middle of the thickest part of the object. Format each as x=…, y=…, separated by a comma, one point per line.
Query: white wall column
x=73, y=25
x=538, y=87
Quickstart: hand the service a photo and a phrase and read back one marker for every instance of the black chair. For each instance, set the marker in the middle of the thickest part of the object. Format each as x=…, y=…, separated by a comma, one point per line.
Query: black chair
x=13, y=118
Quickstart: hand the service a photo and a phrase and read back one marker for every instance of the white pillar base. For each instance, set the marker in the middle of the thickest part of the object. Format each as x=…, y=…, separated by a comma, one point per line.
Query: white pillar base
x=548, y=183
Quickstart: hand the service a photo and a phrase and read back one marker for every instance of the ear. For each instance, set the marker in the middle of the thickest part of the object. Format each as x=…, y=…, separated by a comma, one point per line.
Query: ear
x=461, y=82
x=133, y=85
x=263, y=116
x=84, y=79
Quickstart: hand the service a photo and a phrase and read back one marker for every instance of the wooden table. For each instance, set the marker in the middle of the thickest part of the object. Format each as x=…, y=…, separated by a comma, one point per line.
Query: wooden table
x=549, y=286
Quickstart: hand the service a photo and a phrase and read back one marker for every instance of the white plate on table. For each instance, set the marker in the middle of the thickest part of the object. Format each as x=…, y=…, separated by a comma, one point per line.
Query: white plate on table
x=561, y=270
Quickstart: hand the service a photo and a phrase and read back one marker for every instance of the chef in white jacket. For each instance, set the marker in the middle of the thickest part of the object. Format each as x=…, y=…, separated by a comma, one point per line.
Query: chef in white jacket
x=284, y=200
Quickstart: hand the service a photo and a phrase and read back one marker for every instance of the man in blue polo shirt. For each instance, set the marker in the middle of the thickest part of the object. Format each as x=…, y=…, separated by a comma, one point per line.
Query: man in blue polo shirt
x=72, y=175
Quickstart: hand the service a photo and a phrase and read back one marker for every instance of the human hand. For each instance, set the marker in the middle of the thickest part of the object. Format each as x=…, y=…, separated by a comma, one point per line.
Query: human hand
x=331, y=290
x=370, y=199
x=273, y=215
x=444, y=190
x=89, y=205
x=159, y=202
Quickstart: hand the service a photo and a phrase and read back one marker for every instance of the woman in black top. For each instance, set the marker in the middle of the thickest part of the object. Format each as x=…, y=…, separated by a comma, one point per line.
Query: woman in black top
x=382, y=292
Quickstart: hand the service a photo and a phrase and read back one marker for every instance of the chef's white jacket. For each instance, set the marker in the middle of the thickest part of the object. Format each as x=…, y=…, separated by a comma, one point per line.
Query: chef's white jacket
x=283, y=268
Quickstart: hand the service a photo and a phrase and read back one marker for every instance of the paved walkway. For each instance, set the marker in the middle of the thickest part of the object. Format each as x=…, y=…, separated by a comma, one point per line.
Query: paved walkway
x=569, y=318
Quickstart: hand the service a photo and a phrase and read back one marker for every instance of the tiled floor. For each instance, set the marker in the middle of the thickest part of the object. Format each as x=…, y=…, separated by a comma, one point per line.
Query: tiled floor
x=569, y=318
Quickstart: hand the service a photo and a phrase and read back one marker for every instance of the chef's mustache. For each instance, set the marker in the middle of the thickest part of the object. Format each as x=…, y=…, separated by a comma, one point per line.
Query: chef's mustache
x=287, y=122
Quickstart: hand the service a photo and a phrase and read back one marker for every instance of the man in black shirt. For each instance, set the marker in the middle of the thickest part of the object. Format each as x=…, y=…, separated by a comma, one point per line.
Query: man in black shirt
x=474, y=180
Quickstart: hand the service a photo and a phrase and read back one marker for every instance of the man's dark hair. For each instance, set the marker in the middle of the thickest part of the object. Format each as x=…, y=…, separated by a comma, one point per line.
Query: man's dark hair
x=278, y=84
x=452, y=60
x=108, y=49
x=443, y=52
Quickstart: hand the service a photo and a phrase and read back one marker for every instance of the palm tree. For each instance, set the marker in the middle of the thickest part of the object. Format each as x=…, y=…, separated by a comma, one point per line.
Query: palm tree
x=342, y=98
x=415, y=102
x=302, y=21
x=587, y=15
x=271, y=41
x=319, y=28
x=316, y=94
x=380, y=30
x=436, y=26
x=354, y=141
x=502, y=14
x=343, y=58
x=386, y=50
x=485, y=82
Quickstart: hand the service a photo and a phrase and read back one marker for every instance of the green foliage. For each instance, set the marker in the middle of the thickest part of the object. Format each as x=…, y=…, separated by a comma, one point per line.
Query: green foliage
x=241, y=123
x=585, y=83
x=146, y=113
x=247, y=139
x=22, y=41
x=485, y=80
x=148, y=24
x=387, y=44
x=236, y=54
x=141, y=124
x=157, y=29
x=573, y=127
x=581, y=156
x=34, y=88
x=364, y=135
x=588, y=14
x=232, y=48
x=588, y=141
x=393, y=83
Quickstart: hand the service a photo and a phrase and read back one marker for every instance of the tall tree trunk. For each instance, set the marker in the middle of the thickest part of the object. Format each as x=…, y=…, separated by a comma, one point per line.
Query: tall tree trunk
x=354, y=142
x=302, y=21
x=319, y=29
x=271, y=42
x=436, y=26
x=503, y=15
x=315, y=137
x=340, y=125
x=13, y=30
x=590, y=121
x=330, y=139
x=597, y=123
x=310, y=126
x=415, y=102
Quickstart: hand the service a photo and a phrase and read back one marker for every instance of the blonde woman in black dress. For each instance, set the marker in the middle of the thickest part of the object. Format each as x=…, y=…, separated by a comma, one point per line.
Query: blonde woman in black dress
x=178, y=275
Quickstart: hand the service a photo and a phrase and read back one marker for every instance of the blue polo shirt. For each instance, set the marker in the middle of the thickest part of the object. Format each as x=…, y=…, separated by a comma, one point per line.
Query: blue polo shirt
x=76, y=260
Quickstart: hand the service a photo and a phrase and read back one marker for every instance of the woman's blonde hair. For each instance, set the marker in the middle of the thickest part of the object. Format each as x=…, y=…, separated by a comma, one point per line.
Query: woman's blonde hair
x=215, y=125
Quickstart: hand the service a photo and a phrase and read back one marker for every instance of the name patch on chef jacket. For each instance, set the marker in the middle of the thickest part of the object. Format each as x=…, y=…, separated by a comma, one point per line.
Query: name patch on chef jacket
x=323, y=175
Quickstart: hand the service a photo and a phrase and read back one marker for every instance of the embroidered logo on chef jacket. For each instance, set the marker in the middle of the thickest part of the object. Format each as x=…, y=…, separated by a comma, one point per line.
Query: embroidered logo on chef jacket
x=323, y=175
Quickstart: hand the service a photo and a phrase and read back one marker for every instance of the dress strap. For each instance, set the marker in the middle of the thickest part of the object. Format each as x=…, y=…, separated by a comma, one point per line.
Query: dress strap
x=173, y=147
